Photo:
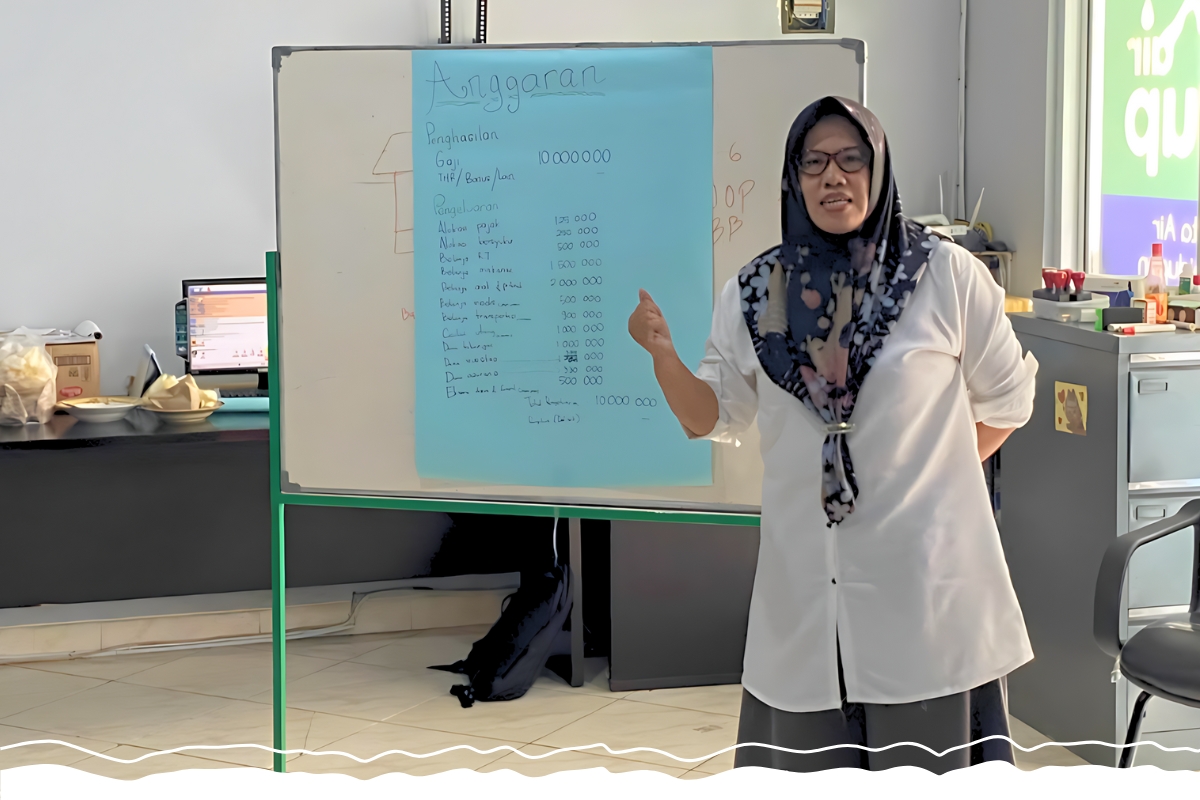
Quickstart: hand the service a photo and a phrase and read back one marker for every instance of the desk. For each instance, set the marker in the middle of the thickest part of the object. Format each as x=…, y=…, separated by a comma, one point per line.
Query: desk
x=64, y=432
x=138, y=509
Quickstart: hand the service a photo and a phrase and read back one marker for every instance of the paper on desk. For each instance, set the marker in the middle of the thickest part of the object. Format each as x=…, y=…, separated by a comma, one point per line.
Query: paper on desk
x=169, y=393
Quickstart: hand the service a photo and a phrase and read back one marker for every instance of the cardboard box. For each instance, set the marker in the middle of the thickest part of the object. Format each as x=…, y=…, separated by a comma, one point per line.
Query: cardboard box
x=1183, y=308
x=78, y=362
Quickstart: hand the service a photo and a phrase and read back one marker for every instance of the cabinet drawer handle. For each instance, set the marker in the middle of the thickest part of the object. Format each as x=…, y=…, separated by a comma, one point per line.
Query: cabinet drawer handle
x=1151, y=512
x=1151, y=387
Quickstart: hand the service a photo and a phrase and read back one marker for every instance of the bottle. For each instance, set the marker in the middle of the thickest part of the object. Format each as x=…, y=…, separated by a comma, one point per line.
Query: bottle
x=1156, y=284
x=1185, y=279
x=1140, y=300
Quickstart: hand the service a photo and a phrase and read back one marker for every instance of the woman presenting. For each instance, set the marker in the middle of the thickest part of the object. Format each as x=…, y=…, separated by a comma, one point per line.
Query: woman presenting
x=881, y=367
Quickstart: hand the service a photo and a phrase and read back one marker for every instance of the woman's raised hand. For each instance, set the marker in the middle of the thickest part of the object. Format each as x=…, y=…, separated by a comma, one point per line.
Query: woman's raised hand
x=648, y=327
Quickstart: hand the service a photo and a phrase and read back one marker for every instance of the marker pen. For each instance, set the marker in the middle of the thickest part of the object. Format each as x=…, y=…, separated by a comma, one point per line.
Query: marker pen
x=1148, y=327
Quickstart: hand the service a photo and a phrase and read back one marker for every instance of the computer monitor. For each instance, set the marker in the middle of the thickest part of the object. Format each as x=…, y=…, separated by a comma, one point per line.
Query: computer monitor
x=227, y=326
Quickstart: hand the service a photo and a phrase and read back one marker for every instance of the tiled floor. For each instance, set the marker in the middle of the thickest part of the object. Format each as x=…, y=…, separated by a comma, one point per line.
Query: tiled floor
x=363, y=695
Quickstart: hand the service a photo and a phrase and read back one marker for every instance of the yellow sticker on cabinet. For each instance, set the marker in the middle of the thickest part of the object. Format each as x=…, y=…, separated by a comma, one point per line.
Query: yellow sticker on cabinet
x=1070, y=408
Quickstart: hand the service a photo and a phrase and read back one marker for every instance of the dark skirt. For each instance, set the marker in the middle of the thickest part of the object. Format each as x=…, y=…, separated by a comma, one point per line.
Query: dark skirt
x=939, y=723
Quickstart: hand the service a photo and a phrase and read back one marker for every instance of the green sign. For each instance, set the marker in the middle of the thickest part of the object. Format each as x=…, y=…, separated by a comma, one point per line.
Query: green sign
x=1150, y=111
x=1151, y=98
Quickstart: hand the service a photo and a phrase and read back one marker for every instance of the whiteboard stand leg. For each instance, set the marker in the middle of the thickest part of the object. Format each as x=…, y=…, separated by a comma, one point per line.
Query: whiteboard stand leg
x=575, y=548
x=278, y=639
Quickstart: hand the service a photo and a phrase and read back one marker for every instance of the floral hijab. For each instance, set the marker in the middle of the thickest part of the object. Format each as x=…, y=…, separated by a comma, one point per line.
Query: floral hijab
x=819, y=306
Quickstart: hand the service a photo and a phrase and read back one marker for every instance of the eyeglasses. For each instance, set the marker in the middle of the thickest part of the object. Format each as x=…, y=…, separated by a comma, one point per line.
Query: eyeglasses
x=850, y=159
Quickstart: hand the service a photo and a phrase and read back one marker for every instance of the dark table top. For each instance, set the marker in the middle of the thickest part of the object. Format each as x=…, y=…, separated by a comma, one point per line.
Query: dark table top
x=64, y=432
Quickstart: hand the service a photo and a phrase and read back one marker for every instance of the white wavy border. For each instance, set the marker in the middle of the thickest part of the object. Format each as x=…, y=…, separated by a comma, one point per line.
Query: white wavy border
x=579, y=748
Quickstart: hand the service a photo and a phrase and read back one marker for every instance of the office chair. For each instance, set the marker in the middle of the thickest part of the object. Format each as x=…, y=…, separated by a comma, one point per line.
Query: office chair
x=1162, y=659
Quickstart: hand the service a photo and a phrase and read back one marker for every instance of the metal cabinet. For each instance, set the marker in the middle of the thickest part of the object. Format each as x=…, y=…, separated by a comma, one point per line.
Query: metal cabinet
x=1164, y=422
x=1068, y=493
x=1160, y=573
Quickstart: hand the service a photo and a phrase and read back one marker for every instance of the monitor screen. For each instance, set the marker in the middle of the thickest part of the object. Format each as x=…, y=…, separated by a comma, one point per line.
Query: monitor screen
x=227, y=325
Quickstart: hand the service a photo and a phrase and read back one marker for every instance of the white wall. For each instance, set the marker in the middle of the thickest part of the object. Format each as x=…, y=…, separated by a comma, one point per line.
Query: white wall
x=137, y=149
x=912, y=47
x=1007, y=131
x=137, y=144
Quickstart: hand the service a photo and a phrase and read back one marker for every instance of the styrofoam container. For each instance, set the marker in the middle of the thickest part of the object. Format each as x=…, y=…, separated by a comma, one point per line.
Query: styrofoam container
x=1078, y=311
x=1106, y=284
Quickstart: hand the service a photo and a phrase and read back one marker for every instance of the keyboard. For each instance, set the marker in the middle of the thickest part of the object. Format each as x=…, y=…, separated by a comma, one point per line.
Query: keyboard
x=230, y=393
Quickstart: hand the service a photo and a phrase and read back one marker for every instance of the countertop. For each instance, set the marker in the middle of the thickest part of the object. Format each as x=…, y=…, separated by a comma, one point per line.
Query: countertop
x=64, y=432
x=1084, y=334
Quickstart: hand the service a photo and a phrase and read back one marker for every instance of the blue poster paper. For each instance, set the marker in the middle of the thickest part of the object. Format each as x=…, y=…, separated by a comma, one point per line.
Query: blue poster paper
x=549, y=186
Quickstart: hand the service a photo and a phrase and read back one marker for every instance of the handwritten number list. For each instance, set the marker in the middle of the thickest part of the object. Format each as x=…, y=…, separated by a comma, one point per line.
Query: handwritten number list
x=540, y=208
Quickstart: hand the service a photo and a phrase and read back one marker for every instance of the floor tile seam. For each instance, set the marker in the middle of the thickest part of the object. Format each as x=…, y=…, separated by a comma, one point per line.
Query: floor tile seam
x=204, y=755
x=624, y=757
x=700, y=768
x=63, y=763
x=140, y=741
x=681, y=708
x=122, y=742
x=189, y=692
x=119, y=765
x=123, y=682
x=156, y=728
x=498, y=757
x=508, y=741
x=53, y=735
x=358, y=655
x=575, y=691
x=61, y=674
x=408, y=672
x=3, y=720
x=434, y=730
x=215, y=652
x=638, y=757
x=33, y=666
x=410, y=708
x=325, y=713
x=579, y=719
x=304, y=738
x=147, y=743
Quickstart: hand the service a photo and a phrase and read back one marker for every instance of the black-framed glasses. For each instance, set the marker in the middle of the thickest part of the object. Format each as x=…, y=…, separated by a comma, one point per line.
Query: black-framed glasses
x=849, y=159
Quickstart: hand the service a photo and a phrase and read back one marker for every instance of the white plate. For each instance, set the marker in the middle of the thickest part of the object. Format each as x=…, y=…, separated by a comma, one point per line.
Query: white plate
x=98, y=410
x=189, y=417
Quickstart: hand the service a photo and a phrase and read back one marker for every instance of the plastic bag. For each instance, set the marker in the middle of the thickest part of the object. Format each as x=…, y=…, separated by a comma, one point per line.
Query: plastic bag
x=27, y=379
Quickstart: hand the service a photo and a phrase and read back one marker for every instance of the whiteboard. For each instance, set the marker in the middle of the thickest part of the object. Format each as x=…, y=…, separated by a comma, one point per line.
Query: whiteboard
x=345, y=214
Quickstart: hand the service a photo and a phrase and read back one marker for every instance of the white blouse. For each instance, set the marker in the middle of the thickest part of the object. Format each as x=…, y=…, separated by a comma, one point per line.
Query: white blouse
x=914, y=583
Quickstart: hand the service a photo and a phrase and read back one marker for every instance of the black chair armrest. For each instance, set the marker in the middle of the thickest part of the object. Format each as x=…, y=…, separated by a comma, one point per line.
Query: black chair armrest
x=1106, y=624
